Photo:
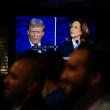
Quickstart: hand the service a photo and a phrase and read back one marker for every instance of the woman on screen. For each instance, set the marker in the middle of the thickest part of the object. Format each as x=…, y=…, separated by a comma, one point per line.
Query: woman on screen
x=78, y=34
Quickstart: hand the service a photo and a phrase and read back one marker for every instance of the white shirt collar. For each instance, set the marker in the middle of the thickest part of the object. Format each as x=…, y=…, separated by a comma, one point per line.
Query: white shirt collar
x=75, y=44
x=39, y=44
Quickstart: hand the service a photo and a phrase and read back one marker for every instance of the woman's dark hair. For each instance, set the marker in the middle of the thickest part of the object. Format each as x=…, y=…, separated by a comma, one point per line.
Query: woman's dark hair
x=84, y=29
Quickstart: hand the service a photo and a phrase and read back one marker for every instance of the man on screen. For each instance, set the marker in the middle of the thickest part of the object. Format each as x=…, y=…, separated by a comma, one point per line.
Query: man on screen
x=24, y=83
x=36, y=31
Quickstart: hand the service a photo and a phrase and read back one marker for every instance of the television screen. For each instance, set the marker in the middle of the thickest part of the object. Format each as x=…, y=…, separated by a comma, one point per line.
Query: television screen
x=51, y=32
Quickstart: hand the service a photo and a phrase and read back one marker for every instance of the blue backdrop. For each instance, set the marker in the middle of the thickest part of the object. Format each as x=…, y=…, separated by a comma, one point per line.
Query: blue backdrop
x=22, y=26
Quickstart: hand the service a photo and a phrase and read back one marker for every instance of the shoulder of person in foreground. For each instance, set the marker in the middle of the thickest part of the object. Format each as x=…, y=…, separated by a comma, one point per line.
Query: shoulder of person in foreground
x=101, y=104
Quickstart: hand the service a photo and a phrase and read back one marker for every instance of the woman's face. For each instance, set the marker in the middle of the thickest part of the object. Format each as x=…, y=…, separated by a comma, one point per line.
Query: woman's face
x=75, y=30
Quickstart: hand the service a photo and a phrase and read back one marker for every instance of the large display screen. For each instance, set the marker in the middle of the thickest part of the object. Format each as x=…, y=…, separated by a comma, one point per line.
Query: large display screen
x=49, y=32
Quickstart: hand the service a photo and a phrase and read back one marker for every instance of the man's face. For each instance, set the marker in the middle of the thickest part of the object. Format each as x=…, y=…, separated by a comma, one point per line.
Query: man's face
x=75, y=71
x=75, y=30
x=17, y=80
x=35, y=33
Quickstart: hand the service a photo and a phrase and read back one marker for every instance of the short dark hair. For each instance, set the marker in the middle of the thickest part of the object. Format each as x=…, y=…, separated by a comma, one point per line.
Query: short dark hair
x=38, y=66
x=94, y=56
x=97, y=61
x=84, y=29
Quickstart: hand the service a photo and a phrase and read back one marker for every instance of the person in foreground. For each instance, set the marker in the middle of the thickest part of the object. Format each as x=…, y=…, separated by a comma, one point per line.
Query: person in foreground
x=84, y=78
x=24, y=83
x=52, y=91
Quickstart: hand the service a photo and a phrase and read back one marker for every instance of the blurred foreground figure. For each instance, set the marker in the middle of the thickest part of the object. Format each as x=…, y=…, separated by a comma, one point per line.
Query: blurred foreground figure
x=52, y=91
x=24, y=83
x=84, y=75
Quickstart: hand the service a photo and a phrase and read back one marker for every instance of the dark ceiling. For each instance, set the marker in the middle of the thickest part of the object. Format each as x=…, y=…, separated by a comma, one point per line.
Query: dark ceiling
x=102, y=4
